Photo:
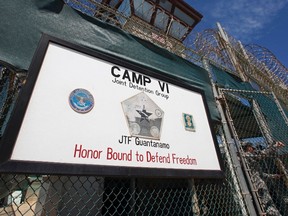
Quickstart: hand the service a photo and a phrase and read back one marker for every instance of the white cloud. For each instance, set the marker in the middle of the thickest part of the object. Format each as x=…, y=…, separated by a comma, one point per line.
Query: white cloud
x=245, y=19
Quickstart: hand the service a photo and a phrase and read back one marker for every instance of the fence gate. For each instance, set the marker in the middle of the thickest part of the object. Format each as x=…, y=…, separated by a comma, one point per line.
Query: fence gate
x=260, y=132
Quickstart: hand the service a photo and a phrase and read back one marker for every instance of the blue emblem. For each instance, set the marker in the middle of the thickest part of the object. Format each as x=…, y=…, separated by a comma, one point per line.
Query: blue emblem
x=81, y=100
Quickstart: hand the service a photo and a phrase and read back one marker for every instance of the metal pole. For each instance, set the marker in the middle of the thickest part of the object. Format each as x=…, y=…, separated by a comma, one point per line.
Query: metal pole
x=280, y=108
x=245, y=165
x=230, y=52
x=233, y=153
x=194, y=199
x=262, y=122
x=132, y=200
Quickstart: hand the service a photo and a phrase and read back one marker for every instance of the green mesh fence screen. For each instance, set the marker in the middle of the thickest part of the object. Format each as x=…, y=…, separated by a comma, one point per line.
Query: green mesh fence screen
x=255, y=119
x=260, y=125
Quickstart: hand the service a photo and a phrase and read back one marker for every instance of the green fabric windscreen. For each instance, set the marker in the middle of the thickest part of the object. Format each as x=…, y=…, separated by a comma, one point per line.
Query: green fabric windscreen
x=23, y=22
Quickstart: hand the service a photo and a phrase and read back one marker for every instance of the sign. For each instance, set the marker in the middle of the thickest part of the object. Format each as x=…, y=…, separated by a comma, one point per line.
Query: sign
x=83, y=111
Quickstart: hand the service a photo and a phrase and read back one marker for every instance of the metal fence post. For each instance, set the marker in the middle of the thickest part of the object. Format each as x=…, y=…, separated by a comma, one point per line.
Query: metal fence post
x=194, y=199
x=262, y=122
x=233, y=154
x=280, y=108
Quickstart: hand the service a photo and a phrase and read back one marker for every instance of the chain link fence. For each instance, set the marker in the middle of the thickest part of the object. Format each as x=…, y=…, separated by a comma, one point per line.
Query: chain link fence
x=38, y=194
x=10, y=83
x=259, y=124
x=256, y=121
x=90, y=195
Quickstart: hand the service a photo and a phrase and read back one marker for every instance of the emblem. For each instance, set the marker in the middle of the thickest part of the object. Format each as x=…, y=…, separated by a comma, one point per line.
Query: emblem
x=144, y=117
x=188, y=122
x=81, y=100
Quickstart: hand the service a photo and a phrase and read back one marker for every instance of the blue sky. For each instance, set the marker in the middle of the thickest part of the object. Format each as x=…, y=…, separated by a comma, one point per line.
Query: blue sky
x=262, y=22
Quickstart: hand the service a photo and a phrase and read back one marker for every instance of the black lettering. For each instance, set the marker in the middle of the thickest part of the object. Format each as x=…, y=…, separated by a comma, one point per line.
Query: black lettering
x=162, y=86
x=113, y=70
x=136, y=79
x=126, y=75
x=146, y=80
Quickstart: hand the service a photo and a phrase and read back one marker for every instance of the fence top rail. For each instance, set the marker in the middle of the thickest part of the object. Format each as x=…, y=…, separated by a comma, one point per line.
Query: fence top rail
x=246, y=91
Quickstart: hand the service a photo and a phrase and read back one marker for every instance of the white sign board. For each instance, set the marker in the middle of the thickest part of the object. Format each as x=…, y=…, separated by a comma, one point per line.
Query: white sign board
x=88, y=110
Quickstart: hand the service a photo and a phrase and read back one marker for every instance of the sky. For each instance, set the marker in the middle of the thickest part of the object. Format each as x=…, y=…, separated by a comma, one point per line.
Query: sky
x=261, y=22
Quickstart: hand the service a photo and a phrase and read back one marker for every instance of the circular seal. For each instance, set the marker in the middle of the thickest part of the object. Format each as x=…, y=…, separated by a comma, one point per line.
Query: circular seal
x=81, y=100
x=135, y=128
x=154, y=131
x=158, y=113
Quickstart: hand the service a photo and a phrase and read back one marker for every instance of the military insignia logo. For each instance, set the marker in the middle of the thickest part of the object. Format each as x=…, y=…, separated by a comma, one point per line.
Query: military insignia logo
x=144, y=117
x=81, y=100
x=188, y=122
